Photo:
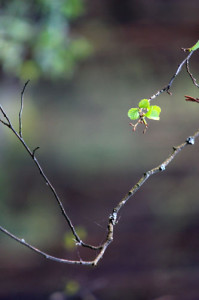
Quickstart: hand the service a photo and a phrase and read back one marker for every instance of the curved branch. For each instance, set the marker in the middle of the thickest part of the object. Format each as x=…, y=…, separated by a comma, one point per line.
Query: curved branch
x=113, y=216
x=47, y=181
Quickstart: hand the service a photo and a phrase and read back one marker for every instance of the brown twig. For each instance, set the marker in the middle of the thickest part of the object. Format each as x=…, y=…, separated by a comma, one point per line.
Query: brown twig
x=189, y=98
x=190, y=74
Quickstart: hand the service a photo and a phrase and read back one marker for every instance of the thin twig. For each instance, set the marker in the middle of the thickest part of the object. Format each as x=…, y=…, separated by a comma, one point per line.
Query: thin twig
x=189, y=72
x=8, y=124
x=192, y=99
x=23, y=242
x=167, y=87
x=34, y=150
x=21, y=108
x=47, y=181
x=114, y=215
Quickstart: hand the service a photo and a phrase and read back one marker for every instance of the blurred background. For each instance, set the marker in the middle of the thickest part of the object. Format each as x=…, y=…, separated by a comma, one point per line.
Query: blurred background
x=89, y=62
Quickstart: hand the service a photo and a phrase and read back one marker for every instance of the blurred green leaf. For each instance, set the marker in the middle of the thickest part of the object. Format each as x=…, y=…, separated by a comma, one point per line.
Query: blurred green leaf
x=72, y=287
x=195, y=47
x=133, y=113
x=73, y=8
x=29, y=69
x=35, y=37
x=69, y=240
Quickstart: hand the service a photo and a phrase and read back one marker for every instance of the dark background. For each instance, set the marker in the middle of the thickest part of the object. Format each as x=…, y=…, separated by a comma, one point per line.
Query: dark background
x=92, y=157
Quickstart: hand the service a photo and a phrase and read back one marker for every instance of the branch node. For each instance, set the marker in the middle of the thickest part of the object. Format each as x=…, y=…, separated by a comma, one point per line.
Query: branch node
x=162, y=167
x=168, y=91
x=78, y=243
x=190, y=140
x=113, y=218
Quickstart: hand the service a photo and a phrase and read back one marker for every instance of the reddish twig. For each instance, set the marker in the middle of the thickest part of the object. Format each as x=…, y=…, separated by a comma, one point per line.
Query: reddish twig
x=189, y=98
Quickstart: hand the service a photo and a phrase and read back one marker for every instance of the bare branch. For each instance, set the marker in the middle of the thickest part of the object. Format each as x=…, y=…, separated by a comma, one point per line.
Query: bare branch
x=192, y=99
x=114, y=215
x=8, y=123
x=21, y=108
x=23, y=242
x=47, y=181
x=167, y=87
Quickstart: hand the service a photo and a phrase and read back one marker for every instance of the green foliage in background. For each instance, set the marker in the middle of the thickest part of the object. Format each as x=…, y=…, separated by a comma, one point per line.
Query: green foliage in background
x=72, y=288
x=35, y=39
x=69, y=241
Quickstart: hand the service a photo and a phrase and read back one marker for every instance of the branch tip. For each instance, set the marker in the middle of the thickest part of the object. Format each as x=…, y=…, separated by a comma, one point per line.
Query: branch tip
x=34, y=150
x=21, y=108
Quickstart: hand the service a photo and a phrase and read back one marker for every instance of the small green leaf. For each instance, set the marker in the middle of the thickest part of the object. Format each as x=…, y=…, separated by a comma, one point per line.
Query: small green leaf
x=144, y=103
x=133, y=113
x=195, y=47
x=153, y=112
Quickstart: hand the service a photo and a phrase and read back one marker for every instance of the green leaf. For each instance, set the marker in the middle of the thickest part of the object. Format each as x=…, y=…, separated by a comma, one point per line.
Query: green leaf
x=144, y=103
x=133, y=113
x=153, y=112
x=195, y=47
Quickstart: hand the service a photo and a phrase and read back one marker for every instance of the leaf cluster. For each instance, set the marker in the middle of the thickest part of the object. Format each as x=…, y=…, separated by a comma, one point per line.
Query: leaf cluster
x=143, y=111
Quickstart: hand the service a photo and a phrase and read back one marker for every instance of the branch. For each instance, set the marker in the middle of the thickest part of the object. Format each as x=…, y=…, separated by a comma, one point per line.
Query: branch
x=168, y=87
x=8, y=124
x=21, y=108
x=47, y=181
x=113, y=218
x=114, y=215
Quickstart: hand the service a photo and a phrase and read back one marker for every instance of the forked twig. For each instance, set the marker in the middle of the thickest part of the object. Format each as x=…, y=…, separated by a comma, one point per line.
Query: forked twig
x=191, y=99
x=168, y=86
x=47, y=181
